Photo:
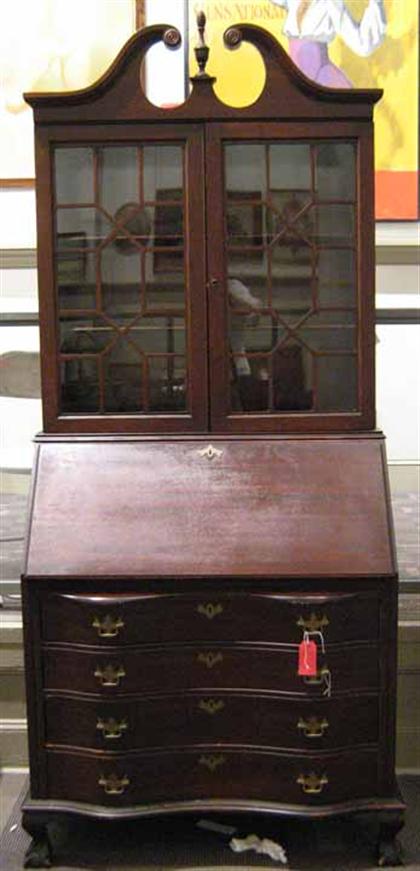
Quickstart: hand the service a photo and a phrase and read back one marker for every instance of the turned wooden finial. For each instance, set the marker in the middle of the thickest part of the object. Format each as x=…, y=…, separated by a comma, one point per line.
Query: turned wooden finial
x=201, y=50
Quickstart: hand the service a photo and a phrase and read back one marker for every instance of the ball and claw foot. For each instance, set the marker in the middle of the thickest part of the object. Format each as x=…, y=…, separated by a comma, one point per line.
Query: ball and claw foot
x=389, y=853
x=38, y=855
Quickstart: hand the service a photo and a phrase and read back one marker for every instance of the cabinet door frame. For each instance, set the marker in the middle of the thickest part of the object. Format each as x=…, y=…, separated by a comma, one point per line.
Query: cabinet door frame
x=222, y=419
x=195, y=419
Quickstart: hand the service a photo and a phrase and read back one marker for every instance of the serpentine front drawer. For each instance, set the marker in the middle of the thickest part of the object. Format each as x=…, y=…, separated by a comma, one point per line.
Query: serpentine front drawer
x=192, y=718
x=154, y=618
x=212, y=772
x=178, y=667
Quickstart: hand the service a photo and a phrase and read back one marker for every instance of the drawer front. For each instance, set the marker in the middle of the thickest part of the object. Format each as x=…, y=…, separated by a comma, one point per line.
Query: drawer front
x=195, y=667
x=212, y=772
x=198, y=718
x=137, y=619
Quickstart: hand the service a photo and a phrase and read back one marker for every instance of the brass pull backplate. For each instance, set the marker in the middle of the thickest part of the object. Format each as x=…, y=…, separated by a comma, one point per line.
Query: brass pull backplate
x=313, y=727
x=312, y=783
x=110, y=675
x=114, y=785
x=108, y=626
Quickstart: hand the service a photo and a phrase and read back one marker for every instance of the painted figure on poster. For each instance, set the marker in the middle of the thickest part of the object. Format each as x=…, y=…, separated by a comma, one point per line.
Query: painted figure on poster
x=311, y=25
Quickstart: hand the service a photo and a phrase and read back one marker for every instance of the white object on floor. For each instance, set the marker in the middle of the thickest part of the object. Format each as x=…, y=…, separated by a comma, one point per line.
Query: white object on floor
x=258, y=845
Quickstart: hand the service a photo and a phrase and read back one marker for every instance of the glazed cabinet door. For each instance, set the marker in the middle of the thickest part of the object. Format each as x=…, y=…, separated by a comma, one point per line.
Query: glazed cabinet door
x=287, y=229
x=122, y=273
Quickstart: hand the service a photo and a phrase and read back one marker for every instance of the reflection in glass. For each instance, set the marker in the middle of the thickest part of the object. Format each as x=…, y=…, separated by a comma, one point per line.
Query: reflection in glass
x=337, y=383
x=335, y=171
x=167, y=378
x=289, y=166
x=120, y=268
x=81, y=228
x=336, y=277
x=74, y=175
x=292, y=279
x=332, y=224
x=79, y=385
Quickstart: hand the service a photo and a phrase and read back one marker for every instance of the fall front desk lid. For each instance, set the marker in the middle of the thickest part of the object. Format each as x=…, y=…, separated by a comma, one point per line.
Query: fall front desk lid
x=210, y=507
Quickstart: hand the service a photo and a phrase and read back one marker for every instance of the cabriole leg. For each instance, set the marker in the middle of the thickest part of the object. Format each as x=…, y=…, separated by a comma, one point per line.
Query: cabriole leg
x=38, y=854
x=389, y=847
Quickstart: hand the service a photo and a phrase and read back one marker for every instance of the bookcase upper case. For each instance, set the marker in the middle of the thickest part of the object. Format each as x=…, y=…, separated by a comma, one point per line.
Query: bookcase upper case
x=205, y=267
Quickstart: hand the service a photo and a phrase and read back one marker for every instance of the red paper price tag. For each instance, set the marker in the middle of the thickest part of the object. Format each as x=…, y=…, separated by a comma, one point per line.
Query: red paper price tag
x=307, y=658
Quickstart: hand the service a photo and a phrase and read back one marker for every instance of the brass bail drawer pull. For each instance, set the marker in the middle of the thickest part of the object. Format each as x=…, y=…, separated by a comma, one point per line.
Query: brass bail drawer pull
x=212, y=762
x=210, y=610
x=114, y=785
x=210, y=659
x=108, y=626
x=211, y=706
x=320, y=677
x=111, y=729
x=312, y=783
x=313, y=623
x=313, y=727
x=110, y=675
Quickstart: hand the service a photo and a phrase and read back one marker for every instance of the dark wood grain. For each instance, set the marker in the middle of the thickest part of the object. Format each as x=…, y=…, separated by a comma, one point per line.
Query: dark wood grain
x=219, y=616
x=199, y=718
x=209, y=667
x=181, y=775
x=199, y=571
x=266, y=508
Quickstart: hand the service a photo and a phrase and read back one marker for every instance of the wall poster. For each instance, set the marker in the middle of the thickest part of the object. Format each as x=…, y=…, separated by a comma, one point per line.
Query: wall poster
x=51, y=45
x=339, y=43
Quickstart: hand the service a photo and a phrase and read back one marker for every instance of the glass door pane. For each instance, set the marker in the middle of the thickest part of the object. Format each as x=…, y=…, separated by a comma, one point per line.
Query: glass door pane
x=122, y=217
x=290, y=269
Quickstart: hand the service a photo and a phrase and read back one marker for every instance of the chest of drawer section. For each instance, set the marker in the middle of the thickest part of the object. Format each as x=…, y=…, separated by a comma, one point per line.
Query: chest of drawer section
x=151, y=678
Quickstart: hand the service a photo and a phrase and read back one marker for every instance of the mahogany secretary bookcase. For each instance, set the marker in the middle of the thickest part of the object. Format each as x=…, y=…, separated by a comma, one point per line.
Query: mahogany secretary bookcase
x=209, y=491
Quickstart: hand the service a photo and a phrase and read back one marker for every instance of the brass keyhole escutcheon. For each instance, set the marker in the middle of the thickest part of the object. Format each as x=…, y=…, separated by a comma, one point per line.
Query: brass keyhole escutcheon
x=212, y=762
x=108, y=626
x=312, y=783
x=210, y=659
x=210, y=452
x=211, y=706
x=114, y=785
x=111, y=729
x=313, y=623
x=210, y=610
x=109, y=675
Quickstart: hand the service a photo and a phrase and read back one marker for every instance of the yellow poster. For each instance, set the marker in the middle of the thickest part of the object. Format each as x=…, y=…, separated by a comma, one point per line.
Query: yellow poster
x=51, y=45
x=339, y=43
